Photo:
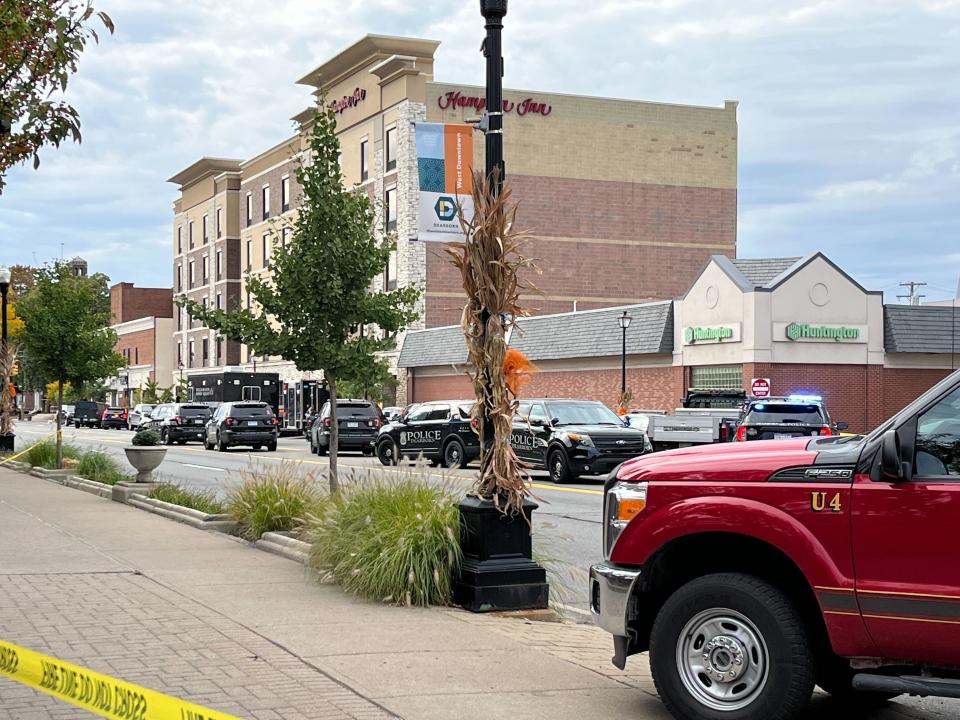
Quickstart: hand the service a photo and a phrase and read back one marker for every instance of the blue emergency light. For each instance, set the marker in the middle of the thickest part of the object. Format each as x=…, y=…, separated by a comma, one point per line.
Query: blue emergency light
x=806, y=398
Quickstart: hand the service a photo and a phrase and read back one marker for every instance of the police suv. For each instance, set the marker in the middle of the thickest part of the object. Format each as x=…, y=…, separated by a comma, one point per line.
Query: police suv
x=573, y=437
x=440, y=431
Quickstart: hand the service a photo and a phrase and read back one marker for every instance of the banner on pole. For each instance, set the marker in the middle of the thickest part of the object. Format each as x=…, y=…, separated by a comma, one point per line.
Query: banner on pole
x=445, y=166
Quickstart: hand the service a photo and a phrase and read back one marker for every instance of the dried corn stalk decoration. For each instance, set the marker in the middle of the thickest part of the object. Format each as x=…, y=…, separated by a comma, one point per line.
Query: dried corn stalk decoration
x=623, y=404
x=489, y=260
x=8, y=358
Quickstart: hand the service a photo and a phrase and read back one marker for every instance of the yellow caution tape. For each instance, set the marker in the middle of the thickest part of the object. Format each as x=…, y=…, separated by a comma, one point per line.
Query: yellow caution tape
x=26, y=449
x=101, y=694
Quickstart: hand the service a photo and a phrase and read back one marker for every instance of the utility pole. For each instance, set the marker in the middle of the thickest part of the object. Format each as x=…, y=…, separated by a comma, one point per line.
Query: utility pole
x=913, y=297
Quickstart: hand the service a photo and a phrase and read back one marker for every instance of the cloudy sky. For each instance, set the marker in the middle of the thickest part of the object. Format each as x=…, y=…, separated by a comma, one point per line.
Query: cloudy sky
x=849, y=112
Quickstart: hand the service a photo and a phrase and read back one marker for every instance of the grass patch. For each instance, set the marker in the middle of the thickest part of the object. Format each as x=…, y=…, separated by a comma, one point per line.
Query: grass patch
x=389, y=539
x=43, y=453
x=101, y=467
x=205, y=502
x=274, y=499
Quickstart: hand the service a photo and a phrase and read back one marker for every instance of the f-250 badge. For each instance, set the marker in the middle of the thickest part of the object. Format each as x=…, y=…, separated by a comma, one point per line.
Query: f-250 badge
x=818, y=502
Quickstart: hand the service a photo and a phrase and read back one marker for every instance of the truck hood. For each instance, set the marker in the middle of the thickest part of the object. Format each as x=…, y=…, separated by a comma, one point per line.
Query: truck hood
x=735, y=461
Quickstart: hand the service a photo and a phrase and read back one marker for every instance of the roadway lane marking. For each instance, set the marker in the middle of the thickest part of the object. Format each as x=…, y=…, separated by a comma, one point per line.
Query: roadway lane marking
x=204, y=467
x=560, y=488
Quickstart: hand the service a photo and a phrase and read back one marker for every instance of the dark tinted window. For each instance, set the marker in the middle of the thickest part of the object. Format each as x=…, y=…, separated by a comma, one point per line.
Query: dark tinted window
x=356, y=410
x=438, y=412
x=194, y=411
x=251, y=410
x=938, y=438
x=784, y=413
x=86, y=406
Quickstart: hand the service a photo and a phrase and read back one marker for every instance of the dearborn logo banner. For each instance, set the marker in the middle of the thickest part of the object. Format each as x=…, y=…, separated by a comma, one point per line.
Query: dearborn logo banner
x=445, y=165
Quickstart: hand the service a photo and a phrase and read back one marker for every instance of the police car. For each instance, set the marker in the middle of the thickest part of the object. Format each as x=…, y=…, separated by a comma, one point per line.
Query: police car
x=782, y=418
x=441, y=431
x=573, y=437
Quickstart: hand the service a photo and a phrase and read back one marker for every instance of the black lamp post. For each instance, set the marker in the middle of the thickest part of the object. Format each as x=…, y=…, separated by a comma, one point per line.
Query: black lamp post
x=498, y=571
x=624, y=321
x=6, y=441
x=180, y=384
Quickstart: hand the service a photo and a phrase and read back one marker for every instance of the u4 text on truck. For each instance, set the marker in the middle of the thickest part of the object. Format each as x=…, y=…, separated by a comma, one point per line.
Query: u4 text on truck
x=752, y=571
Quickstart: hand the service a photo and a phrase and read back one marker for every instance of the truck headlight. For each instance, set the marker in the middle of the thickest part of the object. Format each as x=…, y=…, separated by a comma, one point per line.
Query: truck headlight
x=623, y=502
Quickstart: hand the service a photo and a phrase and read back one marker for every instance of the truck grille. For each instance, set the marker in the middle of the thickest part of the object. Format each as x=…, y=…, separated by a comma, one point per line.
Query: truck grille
x=619, y=446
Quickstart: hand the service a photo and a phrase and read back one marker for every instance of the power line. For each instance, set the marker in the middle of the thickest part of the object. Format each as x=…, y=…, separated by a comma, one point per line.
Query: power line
x=913, y=297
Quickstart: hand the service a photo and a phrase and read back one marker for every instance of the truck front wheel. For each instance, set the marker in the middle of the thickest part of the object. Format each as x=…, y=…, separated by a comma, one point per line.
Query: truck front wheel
x=731, y=646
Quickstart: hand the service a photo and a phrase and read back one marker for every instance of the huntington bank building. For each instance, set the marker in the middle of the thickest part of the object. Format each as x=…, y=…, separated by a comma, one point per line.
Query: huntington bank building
x=626, y=199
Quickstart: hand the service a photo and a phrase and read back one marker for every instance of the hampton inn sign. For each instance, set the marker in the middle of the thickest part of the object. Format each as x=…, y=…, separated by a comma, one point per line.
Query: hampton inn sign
x=528, y=106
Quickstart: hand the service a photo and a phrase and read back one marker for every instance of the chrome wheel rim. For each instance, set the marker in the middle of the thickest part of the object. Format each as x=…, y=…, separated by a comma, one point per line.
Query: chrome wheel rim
x=722, y=659
x=453, y=456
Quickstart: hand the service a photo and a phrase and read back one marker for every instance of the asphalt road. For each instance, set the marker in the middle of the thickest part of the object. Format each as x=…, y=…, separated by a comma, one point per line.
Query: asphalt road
x=567, y=538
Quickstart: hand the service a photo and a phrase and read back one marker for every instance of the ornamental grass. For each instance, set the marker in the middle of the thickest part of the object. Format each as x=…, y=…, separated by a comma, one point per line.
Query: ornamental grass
x=277, y=498
x=102, y=468
x=200, y=500
x=43, y=453
x=391, y=538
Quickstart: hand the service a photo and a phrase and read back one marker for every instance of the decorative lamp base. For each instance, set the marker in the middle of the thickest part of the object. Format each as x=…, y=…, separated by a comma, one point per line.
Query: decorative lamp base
x=498, y=571
x=6, y=442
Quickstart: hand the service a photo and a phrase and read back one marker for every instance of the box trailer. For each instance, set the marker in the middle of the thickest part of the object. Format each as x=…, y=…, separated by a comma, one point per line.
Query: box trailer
x=224, y=387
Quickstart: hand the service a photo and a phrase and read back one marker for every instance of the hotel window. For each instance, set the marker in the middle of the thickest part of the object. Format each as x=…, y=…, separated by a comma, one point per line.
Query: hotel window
x=179, y=278
x=390, y=272
x=217, y=349
x=179, y=318
x=391, y=149
x=219, y=302
x=390, y=209
x=190, y=234
x=179, y=239
x=364, y=167
x=265, y=200
x=192, y=275
x=219, y=264
x=205, y=351
x=219, y=222
x=266, y=250
x=249, y=255
x=192, y=355
x=285, y=236
x=249, y=209
x=179, y=354
x=136, y=356
x=206, y=269
x=206, y=235
x=284, y=194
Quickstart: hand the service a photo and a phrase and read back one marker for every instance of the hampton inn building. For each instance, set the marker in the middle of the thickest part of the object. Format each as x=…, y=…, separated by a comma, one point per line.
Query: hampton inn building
x=627, y=200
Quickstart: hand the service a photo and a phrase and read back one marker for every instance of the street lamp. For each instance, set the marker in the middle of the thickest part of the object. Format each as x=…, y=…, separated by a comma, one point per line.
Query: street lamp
x=624, y=322
x=180, y=384
x=6, y=441
x=493, y=12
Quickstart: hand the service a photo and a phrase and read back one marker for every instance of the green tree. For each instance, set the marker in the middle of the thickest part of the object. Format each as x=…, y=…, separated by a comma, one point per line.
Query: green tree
x=40, y=45
x=313, y=309
x=151, y=391
x=166, y=395
x=66, y=338
x=370, y=382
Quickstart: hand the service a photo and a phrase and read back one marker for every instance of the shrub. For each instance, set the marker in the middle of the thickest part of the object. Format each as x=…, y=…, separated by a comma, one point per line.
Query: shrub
x=273, y=499
x=100, y=467
x=388, y=539
x=201, y=500
x=43, y=453
x=146, y=438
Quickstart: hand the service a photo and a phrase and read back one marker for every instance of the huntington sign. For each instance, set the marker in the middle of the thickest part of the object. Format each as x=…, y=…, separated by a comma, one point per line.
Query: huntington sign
x=720, y=333
x=805, y=331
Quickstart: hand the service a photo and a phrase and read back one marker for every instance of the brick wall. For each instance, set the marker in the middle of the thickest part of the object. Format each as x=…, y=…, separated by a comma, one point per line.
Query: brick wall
x=603, y=243
x=141, y=346
x=901, y=386
x=653, y=388
x=131, y=303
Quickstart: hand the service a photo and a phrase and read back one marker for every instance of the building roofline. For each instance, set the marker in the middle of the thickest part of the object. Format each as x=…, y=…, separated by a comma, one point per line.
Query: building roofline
x=260, y=155
x=803, y=262
x=354, y=56
x=203, y=167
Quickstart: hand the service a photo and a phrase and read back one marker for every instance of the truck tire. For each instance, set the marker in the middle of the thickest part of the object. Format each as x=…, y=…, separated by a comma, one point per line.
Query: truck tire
x=559, y=467
x=387, y=452
x=454, y=456
x=731, y=646
x=165, y=437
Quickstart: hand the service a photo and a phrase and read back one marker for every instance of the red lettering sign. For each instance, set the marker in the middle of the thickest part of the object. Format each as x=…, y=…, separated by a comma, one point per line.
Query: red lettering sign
x=349, y=101
x=455, y=99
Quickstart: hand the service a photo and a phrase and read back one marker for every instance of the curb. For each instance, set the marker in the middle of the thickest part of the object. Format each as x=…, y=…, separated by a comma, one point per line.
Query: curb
x=91, y=486
x=205, y=521
x=284, y=546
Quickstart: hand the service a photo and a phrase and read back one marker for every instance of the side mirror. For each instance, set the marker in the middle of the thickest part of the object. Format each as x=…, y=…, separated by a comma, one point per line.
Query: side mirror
x=554, y=421
x=841, y=426
x=892, y=465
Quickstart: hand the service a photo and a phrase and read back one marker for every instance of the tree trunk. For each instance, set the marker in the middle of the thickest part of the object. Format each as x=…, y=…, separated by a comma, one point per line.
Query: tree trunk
x=59, y=420
x=334, y=434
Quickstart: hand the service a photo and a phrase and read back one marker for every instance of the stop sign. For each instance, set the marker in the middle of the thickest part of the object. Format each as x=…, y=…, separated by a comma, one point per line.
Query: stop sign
x=760, y=387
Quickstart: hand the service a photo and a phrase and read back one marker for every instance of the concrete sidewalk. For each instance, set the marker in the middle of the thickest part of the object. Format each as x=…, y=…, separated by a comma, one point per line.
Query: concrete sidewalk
x=210, y=619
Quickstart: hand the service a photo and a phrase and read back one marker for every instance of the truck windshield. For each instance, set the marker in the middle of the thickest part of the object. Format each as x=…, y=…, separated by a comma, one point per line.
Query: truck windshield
x=582, y=414
x=784, y=414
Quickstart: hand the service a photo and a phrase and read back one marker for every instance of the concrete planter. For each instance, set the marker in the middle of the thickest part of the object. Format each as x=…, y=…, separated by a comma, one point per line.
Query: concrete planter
x=6, y=442
x=285, y=546
x=205, y=521
x=145, y=459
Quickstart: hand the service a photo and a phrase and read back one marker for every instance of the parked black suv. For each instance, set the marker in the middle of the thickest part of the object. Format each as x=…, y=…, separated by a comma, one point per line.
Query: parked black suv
x=573, y=437
x=87, y=413
x=358, y=422
x=179, y=422
x=242, y=423
x=780, y=418
x=441, y=431
x=114, y=417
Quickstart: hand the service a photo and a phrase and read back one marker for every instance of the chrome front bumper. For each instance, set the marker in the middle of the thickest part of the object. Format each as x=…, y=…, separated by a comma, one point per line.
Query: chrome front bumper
x=610, y=590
